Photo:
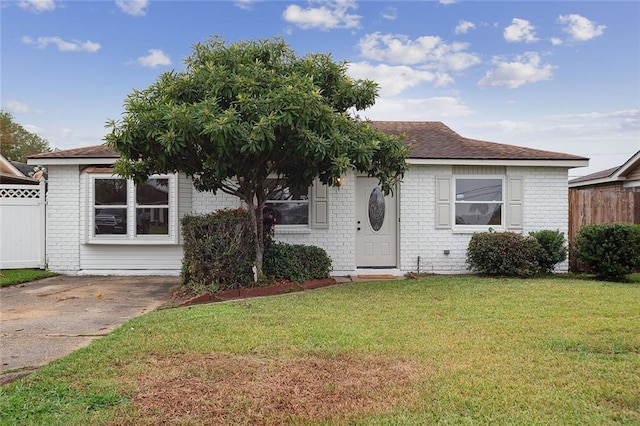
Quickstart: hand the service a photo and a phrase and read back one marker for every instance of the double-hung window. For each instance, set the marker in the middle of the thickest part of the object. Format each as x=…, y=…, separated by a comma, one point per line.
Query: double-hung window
x=122, y=211
x=288, y=204
x=479, y=201
x=152, y=207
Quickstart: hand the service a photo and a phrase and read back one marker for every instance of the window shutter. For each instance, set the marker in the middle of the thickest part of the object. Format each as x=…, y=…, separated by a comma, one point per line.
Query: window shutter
x=515, y=207
x=320, y=205
x=443, y=202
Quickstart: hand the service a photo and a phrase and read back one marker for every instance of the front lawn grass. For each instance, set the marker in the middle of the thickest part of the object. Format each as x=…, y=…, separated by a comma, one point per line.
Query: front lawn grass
x=453, y=350
x=16, y=276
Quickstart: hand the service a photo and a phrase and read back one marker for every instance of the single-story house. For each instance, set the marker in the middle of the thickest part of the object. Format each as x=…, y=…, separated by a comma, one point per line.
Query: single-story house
x=454, y=187
x=607, y=196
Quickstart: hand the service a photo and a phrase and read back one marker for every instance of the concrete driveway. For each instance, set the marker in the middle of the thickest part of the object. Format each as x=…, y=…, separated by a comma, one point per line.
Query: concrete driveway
x=48, y=319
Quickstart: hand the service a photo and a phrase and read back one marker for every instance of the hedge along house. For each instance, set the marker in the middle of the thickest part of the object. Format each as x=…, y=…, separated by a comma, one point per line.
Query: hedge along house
x=98, y=223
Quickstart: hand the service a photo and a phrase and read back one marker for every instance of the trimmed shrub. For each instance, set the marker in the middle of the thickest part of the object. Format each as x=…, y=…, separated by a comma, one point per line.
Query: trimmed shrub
x=610, y=251
x=219, y=251
x=296, y=262
x=503, y=254
x=553, y=250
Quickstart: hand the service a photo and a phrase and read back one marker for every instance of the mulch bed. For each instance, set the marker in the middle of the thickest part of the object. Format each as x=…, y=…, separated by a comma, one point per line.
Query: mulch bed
x=245, y=293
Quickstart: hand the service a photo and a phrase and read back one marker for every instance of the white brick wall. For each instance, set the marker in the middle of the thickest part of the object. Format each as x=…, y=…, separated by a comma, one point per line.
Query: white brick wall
x=206, y=202
x=339, y=239
x=545, y=207
x=63, y=219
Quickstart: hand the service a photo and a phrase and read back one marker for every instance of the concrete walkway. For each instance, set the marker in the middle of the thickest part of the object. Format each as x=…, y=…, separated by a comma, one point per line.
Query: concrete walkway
x=48, y=319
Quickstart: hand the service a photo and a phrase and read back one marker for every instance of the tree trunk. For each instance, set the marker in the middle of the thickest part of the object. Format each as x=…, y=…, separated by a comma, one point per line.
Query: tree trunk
x=257, y=217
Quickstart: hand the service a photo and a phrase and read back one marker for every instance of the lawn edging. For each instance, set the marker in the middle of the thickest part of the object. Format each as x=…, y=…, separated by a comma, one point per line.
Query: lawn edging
x=246, y=293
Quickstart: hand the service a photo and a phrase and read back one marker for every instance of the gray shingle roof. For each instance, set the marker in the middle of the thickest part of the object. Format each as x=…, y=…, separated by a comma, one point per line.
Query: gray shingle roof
x=434, y=140
x=94, y=151
x=597, y=175
x=428, y=139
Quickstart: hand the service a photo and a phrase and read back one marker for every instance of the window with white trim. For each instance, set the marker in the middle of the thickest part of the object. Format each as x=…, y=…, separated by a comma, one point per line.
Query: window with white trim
x=288, y=204
x=123, y=211
x=479, y=201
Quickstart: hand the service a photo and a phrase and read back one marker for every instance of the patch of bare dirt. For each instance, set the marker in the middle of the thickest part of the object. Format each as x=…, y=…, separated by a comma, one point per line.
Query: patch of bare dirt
x=232, y=389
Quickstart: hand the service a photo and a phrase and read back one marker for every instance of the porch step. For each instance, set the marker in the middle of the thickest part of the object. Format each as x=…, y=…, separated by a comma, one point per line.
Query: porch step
x=377, y=276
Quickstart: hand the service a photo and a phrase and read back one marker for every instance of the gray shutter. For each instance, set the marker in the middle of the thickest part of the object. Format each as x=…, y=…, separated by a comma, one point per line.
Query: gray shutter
x=320, y=205
x=515, y=206
x=443, y=202
x=184, y=203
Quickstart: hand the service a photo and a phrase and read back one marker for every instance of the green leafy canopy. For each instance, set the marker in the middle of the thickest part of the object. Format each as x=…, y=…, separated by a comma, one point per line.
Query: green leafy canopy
x=241, y=112
x=18, y=143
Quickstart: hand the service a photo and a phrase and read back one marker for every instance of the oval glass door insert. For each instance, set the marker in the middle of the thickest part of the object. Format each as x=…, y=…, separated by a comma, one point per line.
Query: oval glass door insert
x=376, y=209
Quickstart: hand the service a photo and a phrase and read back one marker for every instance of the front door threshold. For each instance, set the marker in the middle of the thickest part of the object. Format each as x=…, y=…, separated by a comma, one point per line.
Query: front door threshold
x=378, y=273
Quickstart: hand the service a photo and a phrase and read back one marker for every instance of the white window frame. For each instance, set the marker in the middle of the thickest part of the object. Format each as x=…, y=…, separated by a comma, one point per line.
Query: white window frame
x=131, y=236
x=285, y=227
x=455, y=202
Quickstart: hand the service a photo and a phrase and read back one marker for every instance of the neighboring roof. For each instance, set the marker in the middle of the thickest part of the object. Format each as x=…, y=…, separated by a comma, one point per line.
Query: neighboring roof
x=9, y=173
x=614, y=174
x=25, y=169
x=602, y=174
x=431, y=142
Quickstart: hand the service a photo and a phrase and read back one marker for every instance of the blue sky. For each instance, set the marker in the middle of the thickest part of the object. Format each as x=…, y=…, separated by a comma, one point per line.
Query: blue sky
x=561, y=76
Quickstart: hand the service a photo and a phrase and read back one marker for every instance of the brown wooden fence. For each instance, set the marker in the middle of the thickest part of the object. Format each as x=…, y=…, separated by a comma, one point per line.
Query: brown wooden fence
x=607, y=203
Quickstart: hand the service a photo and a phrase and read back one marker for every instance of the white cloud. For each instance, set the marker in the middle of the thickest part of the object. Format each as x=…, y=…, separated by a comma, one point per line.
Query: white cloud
x=527, y=68
x=390, y=13
x=607, y=138
x=426, y=109
x=37, y=6
x=62, y=45
x=396, y=79
x=446, y=2
x=615, y=123
x=16, y=107
x=244, y=4
x=463, y=27
x=556, y=41
x=504, y=126
x=330, y=15
x=431, y=51
x=133, y=7
x=155, y=58
x=67, y=138
x=580, y=28
x=520, y=30
x=626, y=113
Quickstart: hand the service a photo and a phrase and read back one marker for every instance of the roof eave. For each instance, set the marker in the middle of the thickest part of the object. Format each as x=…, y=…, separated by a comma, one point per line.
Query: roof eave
x=564, y=163
x=70, y=161
x=631, y=162
x=9, y=165
x=592, y=182
x=13, y=179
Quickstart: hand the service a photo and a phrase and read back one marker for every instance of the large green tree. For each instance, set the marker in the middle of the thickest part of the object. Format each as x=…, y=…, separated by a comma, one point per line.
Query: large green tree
x=242, y=112
x=16, y=142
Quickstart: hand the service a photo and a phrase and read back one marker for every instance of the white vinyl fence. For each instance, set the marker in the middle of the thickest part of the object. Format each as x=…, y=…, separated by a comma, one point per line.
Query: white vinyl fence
x=22, y=226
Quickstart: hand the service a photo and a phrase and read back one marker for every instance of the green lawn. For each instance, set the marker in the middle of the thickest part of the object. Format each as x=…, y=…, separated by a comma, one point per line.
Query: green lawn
x=17, y=276
x=452, y=350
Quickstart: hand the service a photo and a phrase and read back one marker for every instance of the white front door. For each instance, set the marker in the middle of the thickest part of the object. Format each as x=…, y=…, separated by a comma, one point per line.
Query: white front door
x=376, y=226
